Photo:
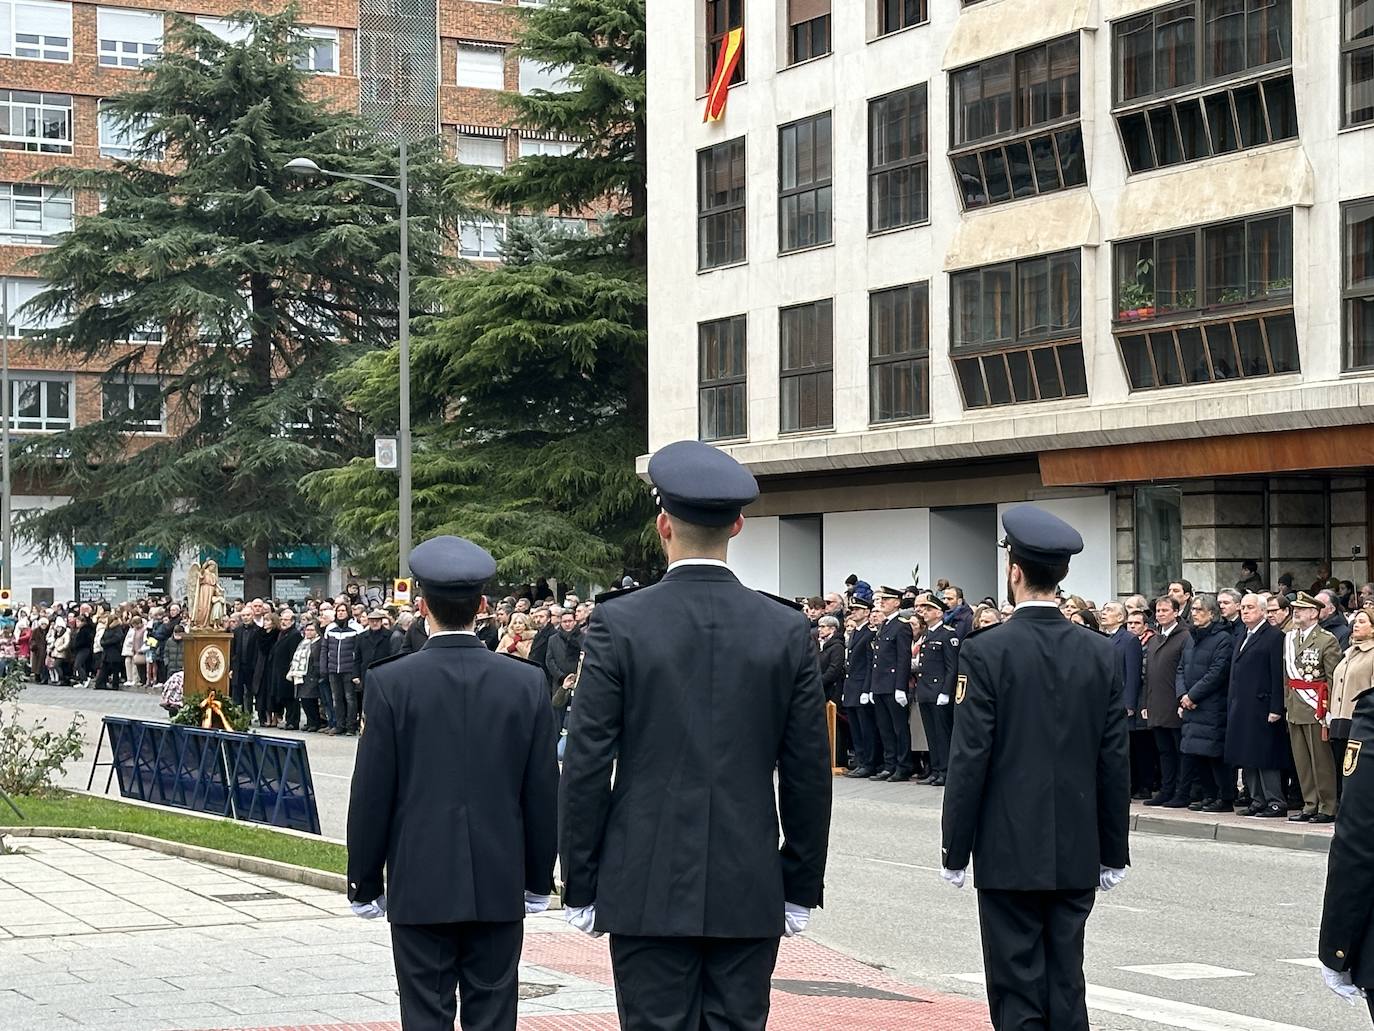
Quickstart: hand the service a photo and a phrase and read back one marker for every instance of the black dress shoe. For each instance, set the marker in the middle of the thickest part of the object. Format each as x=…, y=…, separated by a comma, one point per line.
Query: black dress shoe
x=1270, y=812
x=899, y=778
x=1300, y=817
x=1197, y=807
x=1217, y=807
x=1157, y=800
x=1253, y=809
x=1140, y=796
x=883, y=775
x=1176, y=803
x=1323, y=818
x=938, y=782
x=862, y=773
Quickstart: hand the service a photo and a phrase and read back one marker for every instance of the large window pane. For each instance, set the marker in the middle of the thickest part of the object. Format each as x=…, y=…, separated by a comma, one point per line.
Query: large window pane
x=1225, y=264
x=899, y=326
x=1175, y=47
x=1270, y=257
x=1158, y=538
x=1250, y=116
x=1269, y=37
x=1282, y=107
x=1164, y=133
x=1221, y=123
x=1222, y=348
x=1135, y=61
x=1176, y=273
x=1033, y=290
x=1194, y=356
x=1225, y=37
x=1192, y=130
x=1135, y=352
x=1254, y=360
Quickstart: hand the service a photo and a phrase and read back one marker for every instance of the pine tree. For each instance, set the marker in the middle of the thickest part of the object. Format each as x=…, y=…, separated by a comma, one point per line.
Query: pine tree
x=259, y=283
x=529, y=387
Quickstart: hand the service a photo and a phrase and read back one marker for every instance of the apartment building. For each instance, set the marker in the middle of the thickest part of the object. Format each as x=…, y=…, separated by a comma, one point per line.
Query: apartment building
x=1113, y=256
x=435, y=66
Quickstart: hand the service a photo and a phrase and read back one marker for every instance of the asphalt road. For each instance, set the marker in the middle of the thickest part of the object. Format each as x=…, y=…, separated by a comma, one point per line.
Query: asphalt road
x=1202, y=935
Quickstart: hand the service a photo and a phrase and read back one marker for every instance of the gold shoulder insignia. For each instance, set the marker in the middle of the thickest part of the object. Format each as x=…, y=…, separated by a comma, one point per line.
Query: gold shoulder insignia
x=961, y=689
x=1352, y=757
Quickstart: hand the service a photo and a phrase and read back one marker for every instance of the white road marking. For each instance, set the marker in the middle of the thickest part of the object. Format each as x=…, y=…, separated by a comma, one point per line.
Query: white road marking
x=1307, y=961
x=337, y=776
x=1185, y=971
x=904, y=866
x=1166, y=1011
x=1117, y=905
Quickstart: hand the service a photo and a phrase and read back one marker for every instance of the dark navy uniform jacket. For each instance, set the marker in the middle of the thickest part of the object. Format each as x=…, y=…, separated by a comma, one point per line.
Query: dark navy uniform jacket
x=1347, y=928
x=939, y=664
x=1039, y=783
x=891, y=658
x=860, y=665
x=698, y=690
x=455, y=786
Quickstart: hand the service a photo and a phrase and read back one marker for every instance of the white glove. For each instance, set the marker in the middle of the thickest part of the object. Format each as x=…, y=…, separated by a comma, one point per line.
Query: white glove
x=865, y=699
x=794, y=919
x=942, y=700
x=901, y=698
x=583, y=918
x=1339, y=982
x=1109, y=877
x=536, y=903
x=954, y=877
x=369, y=910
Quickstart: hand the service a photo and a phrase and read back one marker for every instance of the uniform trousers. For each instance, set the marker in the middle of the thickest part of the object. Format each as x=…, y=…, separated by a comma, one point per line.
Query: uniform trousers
x=1337, y=746
x=1144, y=762
x=939, y=724
x=894, y=733
x=1033, y=956
x=1316, y=768
x=692, y=984
x=481, y=961
x=863, y=728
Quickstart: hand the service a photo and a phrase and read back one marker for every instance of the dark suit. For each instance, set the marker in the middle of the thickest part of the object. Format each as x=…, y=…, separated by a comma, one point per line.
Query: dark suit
x=863, y=727
x=937, y=668
x=1258, y=747
x=1347, y=924
x=830, y=654
x=454, y=792
x=892, y=673
x=1038, y=794
x=697, y=690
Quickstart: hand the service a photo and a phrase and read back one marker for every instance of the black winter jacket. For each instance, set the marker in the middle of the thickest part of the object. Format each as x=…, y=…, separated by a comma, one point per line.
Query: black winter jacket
x=1206, y=678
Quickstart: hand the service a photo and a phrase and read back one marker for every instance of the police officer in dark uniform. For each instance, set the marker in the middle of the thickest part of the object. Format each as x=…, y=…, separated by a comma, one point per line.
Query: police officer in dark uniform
x=697, y=690
x=1039, y=784
x=1346, y=944
x=858, y=703
x=937, y=666
x=455, y=794
x=888, y=683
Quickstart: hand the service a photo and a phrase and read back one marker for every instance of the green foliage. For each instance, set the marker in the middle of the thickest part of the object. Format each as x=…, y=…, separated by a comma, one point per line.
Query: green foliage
x=529, y=380
x=191, y=713
x=30, y=754
x=262, y=282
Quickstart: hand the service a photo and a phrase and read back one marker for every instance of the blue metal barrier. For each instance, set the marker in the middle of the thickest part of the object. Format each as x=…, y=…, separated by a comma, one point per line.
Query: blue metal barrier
x=245, y=776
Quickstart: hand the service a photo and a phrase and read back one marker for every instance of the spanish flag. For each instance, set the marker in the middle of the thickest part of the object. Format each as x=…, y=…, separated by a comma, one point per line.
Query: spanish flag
x=730, y=54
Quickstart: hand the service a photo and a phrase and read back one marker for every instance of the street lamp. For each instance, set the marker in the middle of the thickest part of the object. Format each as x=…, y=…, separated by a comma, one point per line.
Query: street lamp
x=401, y=194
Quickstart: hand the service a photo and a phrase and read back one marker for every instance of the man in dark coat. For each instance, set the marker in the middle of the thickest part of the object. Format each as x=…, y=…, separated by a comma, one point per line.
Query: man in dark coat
x=858, y=703
x=1331, y=617
x=830, y=654
x=1256, y=737
x=1164, y=656
x=544, y=629
x=1039, y=784
x=1206, y=783
x=372, y=645
x=565, y=646
x=697, y=691
x=455, y=797
x=888, y=683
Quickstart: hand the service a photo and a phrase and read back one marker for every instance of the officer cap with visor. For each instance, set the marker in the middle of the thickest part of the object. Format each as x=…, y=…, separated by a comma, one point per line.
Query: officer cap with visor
x=451, y=568
x=1035, y=535
x=700, y=484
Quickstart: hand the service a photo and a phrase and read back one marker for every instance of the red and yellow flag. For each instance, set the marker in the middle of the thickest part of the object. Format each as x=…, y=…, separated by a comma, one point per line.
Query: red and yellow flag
x=730, y=53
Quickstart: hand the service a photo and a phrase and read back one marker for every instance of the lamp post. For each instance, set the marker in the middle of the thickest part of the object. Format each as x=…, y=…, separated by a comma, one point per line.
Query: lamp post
x=401, y=194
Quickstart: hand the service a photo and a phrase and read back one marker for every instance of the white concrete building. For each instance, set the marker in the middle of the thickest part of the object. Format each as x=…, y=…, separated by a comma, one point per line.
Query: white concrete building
x=1116, y=256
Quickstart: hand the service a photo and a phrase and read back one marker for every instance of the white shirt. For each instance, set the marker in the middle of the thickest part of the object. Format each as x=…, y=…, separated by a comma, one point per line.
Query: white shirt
x=1164, y=632
x=1037, y=603
x=451, y=633
x=697, y=562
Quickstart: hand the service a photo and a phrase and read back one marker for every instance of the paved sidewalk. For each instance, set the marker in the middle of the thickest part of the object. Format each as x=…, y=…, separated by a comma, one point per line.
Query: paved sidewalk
x=100, y=935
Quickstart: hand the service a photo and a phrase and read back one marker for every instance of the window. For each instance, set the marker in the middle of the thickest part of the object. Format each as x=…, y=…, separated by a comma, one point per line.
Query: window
x=720, y=204
x=723, y=350
x=536, y=76
x=33, y=214
x=894, y=15
x=318, y=50
x=1207, y=304
x=22, y=321
x=481, y=239
x=1357, y=62
x=807, y=386
x=231, y=32
x=899, y=353
x=118, y=140
x=804, y=203
x=136, y=403
x=482, y=151
x=40, y=403
x=1158, y=538
x=1016, y=331
x=548, y=148
x=481, y=66
x=721, y=17
x=1358, y=285
x=128, y=38
x=35, y=31
x=808, y=30
x=898, y=177
x=39, y=122
x=1029, y=103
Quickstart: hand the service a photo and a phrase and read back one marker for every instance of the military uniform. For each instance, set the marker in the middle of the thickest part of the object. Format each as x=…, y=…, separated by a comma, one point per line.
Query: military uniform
x=891, y=674
x=1038, y=790
x=1309, y=661
x=1346, y=943
x=863, y=727
x=937, y=667
x=452, y=821
x=696, y=690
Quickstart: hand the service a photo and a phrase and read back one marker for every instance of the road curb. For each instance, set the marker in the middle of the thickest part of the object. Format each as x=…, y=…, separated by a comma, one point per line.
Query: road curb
x=1143, y=823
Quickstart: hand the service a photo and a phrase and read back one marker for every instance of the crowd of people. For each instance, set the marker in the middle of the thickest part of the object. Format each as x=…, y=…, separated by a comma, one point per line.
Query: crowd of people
x=1238, y=700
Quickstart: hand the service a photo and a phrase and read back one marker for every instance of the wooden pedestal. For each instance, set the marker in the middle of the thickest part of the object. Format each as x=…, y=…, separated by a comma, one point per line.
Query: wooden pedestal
x=207, y=662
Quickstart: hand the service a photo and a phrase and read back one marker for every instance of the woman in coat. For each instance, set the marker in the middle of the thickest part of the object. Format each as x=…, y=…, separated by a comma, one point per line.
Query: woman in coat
x=264, y=689
x=38, y=651
x=1164, y=655
x=1353, y=677
x=111, y=647
x=286, y=711
x=1256, y=734
x=1206, y=783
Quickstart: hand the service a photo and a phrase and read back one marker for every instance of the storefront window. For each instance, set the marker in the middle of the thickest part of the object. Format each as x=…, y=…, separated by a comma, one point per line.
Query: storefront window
x=1158, y=538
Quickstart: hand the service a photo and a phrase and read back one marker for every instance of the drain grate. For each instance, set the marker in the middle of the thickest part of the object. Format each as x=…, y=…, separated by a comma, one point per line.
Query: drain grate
x=252, y=896
x=841, y=990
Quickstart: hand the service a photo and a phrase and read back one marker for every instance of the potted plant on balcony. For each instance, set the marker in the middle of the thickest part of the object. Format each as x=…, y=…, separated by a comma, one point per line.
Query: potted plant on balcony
x=1136, y=297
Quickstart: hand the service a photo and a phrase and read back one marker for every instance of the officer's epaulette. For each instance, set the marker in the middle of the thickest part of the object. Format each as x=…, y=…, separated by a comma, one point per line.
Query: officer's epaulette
x=521, y=658
x=978, y=630
x=619, y=592
x=783, y=601
x=385, y=659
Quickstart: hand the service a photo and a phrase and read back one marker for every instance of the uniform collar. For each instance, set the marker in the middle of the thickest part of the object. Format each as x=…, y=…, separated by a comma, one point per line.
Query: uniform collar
x=696, y=562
